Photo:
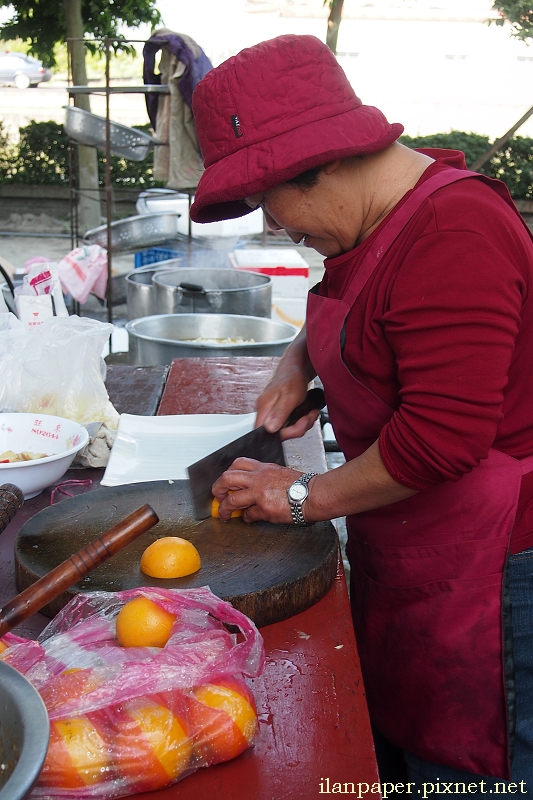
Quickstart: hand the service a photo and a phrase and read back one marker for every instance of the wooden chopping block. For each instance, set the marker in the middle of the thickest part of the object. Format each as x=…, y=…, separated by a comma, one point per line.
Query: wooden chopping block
x=269, y=572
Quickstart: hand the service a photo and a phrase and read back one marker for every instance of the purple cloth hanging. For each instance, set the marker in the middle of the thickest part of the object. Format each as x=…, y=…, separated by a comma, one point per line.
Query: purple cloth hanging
x=195, y=69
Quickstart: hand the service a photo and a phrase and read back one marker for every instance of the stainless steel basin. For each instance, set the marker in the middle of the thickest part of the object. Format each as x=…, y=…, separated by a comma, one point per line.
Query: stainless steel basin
x=90, y=129
x=135, y=233
x=24, y=734
x=159, y=339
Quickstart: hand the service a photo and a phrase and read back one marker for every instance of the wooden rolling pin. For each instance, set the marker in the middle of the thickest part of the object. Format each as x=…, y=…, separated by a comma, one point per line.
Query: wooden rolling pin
x=77, y=566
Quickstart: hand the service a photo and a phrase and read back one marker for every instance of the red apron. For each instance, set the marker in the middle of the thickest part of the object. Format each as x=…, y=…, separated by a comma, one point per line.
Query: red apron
x=426, y=572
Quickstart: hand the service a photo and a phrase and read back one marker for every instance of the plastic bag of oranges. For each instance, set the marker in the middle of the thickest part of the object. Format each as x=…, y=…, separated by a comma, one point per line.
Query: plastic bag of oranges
x=126, y=718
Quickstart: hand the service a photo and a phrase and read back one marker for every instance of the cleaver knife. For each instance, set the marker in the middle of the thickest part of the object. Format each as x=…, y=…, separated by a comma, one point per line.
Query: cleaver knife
x=258, y=444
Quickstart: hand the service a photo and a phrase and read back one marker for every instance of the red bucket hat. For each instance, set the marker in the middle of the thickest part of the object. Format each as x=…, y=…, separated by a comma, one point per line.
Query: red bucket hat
x=272, y=112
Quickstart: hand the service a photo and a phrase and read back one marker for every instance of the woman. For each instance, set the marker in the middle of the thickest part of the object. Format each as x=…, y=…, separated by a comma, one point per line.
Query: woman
x=421, y=332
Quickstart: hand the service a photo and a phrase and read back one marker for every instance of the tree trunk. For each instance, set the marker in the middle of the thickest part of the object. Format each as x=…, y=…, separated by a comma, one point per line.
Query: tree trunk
x=89, y=212
x=501, y=142
x=334, y=21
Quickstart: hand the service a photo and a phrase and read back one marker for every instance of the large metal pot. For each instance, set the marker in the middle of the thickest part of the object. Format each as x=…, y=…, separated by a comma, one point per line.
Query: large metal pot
x=140, y=295
x=159, y=339
x=8, y=294
x=213, y=291
x=24, y=734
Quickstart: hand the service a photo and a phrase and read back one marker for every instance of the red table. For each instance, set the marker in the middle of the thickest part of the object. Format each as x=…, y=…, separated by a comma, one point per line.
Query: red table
x=314, y=729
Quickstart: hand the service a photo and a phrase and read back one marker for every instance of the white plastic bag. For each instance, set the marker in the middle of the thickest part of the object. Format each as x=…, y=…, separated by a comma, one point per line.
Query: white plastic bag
x=56, y=369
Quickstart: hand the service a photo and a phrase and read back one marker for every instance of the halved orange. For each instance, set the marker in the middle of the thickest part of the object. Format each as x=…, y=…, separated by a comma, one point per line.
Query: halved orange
x=170, y=557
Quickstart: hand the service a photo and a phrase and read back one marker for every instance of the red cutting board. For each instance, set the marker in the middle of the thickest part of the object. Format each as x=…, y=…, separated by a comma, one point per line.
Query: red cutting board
x=269, y=572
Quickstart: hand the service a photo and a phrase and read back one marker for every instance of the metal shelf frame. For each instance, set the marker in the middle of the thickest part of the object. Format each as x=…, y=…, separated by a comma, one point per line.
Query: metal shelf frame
x=107, y=90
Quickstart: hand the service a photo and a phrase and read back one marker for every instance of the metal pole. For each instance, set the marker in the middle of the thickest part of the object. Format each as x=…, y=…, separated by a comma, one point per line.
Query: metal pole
x=73, y=172
x=109, y=288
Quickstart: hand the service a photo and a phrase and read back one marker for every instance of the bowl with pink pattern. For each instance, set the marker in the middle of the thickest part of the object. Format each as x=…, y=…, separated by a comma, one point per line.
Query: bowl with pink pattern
x=37, y=449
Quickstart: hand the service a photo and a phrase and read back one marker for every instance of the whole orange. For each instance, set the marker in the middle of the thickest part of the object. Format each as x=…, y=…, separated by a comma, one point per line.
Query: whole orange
x=170, y=557
x=79, y=754
x=152, y=747
x=68, y=685
x=214, y=510
x=142, y=623
x=3, y=646
x=223, y=720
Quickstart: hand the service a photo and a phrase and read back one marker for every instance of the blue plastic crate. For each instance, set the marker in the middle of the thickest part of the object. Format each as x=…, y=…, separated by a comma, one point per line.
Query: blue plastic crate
x=153, y=255
x=196, y=254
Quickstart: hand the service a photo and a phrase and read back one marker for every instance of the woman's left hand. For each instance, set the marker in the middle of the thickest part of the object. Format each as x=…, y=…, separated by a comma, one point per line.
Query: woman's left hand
x=260, y=489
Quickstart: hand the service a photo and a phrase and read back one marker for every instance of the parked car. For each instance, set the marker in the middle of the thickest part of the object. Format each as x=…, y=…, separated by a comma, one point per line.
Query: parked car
x=17, y=69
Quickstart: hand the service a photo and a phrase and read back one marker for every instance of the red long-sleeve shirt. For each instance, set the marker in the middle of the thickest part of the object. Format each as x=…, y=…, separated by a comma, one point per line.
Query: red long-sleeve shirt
x=443, y=333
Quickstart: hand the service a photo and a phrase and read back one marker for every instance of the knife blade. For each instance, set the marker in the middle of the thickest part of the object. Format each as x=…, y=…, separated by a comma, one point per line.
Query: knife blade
x=258, y=444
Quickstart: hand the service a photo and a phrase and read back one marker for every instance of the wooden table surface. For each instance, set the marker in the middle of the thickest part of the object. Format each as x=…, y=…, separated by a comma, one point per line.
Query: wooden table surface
x=314, y=733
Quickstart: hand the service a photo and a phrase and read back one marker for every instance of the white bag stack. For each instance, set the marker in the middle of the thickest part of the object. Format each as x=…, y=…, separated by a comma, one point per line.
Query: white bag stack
x=40, y=296
x=289, y=273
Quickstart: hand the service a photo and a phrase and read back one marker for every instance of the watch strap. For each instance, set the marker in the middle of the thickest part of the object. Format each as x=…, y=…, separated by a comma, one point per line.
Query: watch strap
x=296, y=507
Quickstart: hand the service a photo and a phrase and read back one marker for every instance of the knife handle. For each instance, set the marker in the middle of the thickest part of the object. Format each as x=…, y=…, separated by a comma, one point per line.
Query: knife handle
x=11, y=499
x=314, y=401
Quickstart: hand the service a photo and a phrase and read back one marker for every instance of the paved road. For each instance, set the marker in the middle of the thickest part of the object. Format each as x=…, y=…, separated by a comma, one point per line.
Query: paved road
x=19, y=106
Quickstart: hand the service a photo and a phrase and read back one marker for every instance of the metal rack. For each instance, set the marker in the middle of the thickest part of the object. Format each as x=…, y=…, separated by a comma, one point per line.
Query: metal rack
x=109, y=90
x=106, y=90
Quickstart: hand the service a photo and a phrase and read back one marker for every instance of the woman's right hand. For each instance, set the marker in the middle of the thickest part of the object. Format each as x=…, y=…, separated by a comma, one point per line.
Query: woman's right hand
x=286, y=390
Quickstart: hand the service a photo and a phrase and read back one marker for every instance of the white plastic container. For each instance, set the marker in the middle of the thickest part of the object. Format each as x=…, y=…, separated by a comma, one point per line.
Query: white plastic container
x=158, y=200
x=58, y=437
x=290, y=310
x=287, y=269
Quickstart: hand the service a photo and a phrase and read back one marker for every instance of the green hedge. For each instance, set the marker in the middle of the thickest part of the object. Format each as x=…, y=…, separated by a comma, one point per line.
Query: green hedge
x=44, y=153
x=513, y=164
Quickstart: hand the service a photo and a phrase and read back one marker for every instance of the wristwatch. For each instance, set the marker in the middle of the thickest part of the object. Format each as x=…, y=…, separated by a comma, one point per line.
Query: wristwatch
x=297, y=494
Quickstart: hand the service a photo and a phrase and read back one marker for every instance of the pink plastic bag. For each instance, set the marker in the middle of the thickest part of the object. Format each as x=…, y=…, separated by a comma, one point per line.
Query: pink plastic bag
x=84, y=270
x=134, y=719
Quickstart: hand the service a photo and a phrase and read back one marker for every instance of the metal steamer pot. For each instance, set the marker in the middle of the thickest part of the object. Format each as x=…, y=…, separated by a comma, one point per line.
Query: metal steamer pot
x=213, y=291
x=8, y=294
x=140, y=296
x=161, y=338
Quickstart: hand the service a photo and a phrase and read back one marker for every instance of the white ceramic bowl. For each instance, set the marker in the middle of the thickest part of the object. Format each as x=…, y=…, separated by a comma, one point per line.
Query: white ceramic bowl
x=58, y=437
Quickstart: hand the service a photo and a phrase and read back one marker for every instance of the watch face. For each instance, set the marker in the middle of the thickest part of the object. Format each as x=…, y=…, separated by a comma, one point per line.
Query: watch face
x=298, y=492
